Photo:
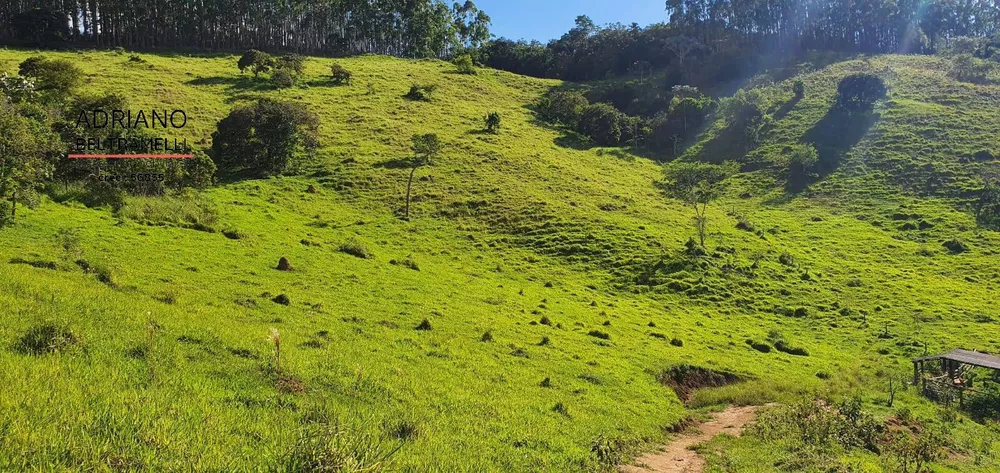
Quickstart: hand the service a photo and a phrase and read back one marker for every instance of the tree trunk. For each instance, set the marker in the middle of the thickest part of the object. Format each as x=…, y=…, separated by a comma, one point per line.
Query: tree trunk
x=409, y=186
x=13, y=206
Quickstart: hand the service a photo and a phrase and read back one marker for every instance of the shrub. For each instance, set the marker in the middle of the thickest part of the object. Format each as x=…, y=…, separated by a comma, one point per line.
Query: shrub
x=599, y=334
x=283, y=79
x=421, y=92
x=340, y=75
x=199, y=171
x=859, y=92
x=492, y=122
x=16, y=89
x=967, y=68
x=799, y=89
x=424, y=325
x=55, y=78
x=464, y=64
x=406, y=263
x=136, y=58
x=744, y=114
x=600, y=122
x=256, y=61
x=487, y=337
x=786, y=259
x=784, y=347
x=562, y=107
x=802, y=164
x=265, y=137
x=291, y=63
x=676, y=342
x=356, y=248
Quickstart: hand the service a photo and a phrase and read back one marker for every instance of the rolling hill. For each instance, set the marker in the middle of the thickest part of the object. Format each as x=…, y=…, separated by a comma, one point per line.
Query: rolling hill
x=526, y=318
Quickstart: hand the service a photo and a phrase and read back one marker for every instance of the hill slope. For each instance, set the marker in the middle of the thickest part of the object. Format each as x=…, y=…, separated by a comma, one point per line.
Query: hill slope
x=559, y=253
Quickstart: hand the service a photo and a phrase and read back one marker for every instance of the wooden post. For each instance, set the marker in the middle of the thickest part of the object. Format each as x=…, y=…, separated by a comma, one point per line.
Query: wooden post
x=916, y=376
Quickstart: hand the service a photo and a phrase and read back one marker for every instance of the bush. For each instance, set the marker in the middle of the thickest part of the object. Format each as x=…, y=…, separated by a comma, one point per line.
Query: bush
x=421, y=92
x=256, y=61
x=744, y=114
x=967, y=68
x=802, y=164
x=859, y=92
x=199, y=171
x=264, y=137
x=339, y=74
x=602, y=123
x=599, y=334
x=16, y=89
x=492, y=122
x=54, y=78
x=562, y=107
x=292, y=63
x=283, y=79
x=356, y=248
x=464, y=64
x=799, y=89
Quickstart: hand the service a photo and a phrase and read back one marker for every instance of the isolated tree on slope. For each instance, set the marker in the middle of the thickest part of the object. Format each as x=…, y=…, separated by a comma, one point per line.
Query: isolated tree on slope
x=27, y=147
x=697, y=185
x=425, y=148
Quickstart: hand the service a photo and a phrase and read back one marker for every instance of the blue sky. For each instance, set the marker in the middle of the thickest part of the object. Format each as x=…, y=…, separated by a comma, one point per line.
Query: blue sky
x=547, y=19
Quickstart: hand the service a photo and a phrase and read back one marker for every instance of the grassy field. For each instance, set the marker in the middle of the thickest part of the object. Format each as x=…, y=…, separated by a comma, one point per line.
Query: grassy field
x=533, y=261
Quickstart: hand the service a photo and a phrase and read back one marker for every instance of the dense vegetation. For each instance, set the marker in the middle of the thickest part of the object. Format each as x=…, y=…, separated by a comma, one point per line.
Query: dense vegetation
x=423, y=28
x=713, y=40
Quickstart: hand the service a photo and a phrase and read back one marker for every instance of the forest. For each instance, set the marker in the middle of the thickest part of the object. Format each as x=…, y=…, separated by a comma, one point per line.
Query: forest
x=422, y=28
x=740, y=32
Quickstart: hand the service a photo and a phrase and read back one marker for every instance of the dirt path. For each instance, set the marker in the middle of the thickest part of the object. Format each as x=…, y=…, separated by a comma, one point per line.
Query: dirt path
x=676, y=457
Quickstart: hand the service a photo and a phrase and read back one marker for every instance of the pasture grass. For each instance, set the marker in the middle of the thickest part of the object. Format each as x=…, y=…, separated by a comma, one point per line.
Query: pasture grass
x=169, y=365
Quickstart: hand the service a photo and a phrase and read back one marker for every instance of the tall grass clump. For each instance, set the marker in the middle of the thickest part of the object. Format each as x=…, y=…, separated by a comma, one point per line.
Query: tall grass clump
x=334, y=448
x=183, y=210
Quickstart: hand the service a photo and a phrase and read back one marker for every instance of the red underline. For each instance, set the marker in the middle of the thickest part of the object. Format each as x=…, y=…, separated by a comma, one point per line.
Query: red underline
x=129, y=156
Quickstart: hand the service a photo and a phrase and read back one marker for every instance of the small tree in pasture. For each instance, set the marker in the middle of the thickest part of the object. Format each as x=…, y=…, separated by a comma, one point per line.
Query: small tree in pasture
x=425, y=148
x=859, y=92
x=256, y=61
x=697, y=185
x=464, y=64
x=339, y=74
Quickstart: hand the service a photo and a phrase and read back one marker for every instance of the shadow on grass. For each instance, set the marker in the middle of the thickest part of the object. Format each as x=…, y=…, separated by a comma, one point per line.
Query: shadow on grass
x=835, y=134
x=786, y=108
x=324, y=83
x=234, y=83
x=394, y=163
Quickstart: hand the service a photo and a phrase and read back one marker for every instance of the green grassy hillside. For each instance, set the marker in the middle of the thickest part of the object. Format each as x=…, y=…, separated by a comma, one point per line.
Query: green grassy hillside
x=558, y=252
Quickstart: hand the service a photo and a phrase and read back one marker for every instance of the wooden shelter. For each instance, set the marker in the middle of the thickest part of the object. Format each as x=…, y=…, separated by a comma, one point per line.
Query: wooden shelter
x=955, y=365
